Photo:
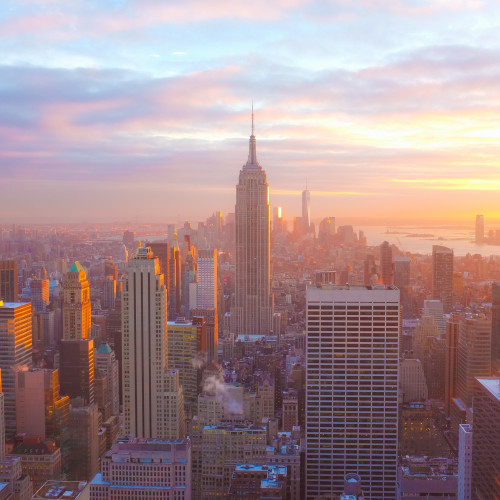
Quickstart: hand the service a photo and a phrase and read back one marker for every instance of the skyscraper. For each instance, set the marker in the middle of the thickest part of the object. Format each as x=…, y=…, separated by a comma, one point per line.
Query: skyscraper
x=41, y=410
x=352, y=388
x=77, y=369
x=402, y=281
x=15, y=351
x=486, y=439
x=76, y=304
x=187, y=347
x=451, y=357
x=8, y=280
x=253, y=309
x=161, y=250
x=2, y=422
x=474, y=359
x=495, y=326
x=145, y=378
x=206, y=303
x=465, y=461
x=442, y=276
x=106, y=367
x=40, y=294
x=207, y=279
x=386, y=267
x=306, y=210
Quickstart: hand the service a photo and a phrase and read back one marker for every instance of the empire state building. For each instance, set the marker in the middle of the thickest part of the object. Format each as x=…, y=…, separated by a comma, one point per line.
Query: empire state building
x=253, y=309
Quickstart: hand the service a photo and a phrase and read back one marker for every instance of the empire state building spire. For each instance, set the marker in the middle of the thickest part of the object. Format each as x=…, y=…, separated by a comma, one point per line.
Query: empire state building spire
x=252, y=150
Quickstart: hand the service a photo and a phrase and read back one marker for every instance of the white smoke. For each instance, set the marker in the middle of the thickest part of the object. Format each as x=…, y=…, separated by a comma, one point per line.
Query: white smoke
x=199, y=361
x=214, y=386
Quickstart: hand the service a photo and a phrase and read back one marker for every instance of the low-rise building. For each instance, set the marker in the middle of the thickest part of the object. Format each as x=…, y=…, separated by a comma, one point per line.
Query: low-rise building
x=41, y=460
x=135, y=469
x=65, y=490
x=430, y=478
x=258, y=482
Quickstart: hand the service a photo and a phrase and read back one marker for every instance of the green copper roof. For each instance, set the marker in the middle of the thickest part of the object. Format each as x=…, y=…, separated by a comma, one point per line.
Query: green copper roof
x=76, y=268
x=104, y=348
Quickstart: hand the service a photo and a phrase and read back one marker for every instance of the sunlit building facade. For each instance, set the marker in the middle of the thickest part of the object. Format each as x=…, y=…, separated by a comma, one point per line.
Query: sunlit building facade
x=252, y=312
x=76, y=307
x=15, y=352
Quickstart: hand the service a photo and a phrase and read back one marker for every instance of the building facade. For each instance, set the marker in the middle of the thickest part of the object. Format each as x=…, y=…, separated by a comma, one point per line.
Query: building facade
x=187, y=354
x=465, y=462
x=151, y=392
x=253, y=308
x=442, y=276
x=138, y=469
x=352, y=388
x=15, y=352
x=76, y=307
x=144, y=316
x=8, y=280
x=486, y=439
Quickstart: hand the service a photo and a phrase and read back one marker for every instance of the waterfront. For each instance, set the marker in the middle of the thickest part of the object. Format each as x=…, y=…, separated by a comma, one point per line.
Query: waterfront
x=420, y=239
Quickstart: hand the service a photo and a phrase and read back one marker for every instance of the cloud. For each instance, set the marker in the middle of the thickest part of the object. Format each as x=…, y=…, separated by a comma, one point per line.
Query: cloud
x=453, y=184
x=354, y=132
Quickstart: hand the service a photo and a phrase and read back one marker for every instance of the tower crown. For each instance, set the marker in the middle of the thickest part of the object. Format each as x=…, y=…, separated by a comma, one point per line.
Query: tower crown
x=252, y=162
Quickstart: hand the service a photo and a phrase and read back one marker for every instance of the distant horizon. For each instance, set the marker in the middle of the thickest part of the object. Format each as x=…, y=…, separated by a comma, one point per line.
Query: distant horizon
x=339, y=221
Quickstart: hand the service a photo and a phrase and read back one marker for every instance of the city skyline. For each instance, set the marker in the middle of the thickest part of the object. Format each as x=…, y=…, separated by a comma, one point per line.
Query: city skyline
x=378, y=105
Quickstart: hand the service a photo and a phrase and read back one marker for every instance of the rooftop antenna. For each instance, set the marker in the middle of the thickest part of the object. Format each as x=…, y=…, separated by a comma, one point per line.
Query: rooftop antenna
x=252, y=119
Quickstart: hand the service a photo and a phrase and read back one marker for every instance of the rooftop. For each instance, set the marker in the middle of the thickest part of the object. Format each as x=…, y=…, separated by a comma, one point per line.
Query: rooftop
x=68, y=490
x=76, y=268
x=12, y=305
x=104, y=348
x=492, y=385
x=353, y=287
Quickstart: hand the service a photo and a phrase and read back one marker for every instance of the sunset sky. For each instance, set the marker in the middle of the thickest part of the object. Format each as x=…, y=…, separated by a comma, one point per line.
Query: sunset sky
x=112, y=110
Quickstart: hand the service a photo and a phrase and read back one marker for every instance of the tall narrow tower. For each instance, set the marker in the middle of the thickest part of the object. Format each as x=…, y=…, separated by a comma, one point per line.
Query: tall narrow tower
x=152, y=396
x=442, y=276
x=15, y=352
x=253, y=310
x=144, y=314
x=76, y=307
x=306, y=209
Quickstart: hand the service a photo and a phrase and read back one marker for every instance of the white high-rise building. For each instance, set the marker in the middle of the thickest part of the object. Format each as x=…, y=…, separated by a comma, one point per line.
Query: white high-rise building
x=465, y=461
x=352, y=388
x=207, y=279
x=147, y=386
x=253, y=309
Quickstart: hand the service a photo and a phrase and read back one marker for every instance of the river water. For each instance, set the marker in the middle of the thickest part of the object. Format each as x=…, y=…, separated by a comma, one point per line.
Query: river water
x=419, y=239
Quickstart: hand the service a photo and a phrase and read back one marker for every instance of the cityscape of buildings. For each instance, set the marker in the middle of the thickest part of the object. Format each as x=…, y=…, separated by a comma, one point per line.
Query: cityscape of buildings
x=247, y=358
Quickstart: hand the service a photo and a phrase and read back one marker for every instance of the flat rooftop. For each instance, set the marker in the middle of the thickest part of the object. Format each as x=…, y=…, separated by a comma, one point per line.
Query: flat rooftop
x=329, y=286
x=12, y=305
x=67, y=490
x=492, y=385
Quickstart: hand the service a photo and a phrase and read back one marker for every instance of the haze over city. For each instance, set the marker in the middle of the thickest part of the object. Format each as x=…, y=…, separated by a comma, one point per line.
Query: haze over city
x=141, y=110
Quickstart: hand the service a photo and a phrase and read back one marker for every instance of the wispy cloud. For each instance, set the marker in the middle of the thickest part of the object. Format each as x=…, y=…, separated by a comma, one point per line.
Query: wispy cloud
x=391, y=99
